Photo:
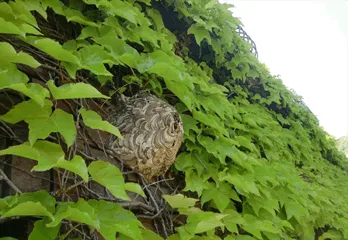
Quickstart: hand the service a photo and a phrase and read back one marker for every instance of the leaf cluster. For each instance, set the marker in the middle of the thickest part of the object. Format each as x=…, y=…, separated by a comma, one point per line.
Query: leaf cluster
x=256, y=163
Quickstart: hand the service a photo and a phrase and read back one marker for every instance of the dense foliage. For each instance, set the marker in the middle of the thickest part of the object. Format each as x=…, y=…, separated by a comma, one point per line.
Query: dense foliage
x=342, y=144
x=256, y=163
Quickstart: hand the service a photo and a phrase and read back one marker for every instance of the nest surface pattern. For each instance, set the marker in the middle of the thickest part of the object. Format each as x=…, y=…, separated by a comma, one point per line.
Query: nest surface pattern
x=152, y=133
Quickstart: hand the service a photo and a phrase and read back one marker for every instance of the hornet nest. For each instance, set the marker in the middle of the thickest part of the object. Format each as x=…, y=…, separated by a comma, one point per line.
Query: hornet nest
x=152, y=131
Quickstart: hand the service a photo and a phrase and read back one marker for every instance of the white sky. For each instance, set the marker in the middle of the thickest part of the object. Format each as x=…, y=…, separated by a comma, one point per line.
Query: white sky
x=306, y=43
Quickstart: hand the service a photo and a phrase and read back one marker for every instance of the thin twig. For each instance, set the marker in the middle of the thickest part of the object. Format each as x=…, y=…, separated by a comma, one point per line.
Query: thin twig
x=9, y=182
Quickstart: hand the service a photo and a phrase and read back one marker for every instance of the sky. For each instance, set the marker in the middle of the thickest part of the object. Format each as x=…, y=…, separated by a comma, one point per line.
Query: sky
x=306, y=43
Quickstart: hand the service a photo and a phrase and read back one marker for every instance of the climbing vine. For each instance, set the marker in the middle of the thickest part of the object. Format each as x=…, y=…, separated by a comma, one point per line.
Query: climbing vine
x=255, y=162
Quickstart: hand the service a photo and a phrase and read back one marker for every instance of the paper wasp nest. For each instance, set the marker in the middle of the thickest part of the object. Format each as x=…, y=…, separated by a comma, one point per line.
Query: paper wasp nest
x=152, y=131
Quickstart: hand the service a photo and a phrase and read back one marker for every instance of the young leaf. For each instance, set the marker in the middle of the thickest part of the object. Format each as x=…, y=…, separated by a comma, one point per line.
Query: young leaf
x=9, y=28
x=123, y=221
x=76, y=165
x=93, y=120
x=53, y=49
x=79, y=212
x=28, y=110
x=40, y=231
x=11, y=77
x=180, y=201
x=28, y=209
x=134, y=187
x=59, y=121
x=200, y=222
x=200, y=33
x=74, y=90
x=110, y=177
x=48, y=155
x=9, y=54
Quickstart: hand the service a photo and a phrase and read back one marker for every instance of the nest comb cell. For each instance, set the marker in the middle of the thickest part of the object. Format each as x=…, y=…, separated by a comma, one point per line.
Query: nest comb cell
x=152, y=131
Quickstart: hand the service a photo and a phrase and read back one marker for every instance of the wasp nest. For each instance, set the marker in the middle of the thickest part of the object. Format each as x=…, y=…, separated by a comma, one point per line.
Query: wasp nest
x=152, y=131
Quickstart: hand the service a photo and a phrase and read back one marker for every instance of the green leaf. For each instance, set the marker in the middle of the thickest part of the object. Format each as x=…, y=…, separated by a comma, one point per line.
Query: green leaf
x=232, y=220
x=134, y=187
x=59, y=121
x=76, y=16
x=24, y=150
x=42, y=197
x=53, y=49
x=9, y=54
x=200, y=33
x=200, y=222
x=220, y=195
x=255, y=226
x=64, y=124
x=11, y=77
x=48, y=155
x=9, y=28
x=108, y=218
x=79, y=212
x=74, y=90
x=40, y=231
x=28, y=209
x=147, y=234
x=180, y=201
x=110, y=177
x=123, y=221
x=76, y=165
x=93, y=120
x=93, y=58
x=41, y=122
x=244, y=183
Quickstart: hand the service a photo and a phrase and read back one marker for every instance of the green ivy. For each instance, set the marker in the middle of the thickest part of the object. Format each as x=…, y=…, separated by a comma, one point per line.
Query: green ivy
x=256, y=160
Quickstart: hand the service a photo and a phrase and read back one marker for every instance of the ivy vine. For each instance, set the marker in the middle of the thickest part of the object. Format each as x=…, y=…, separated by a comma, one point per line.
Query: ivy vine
x=255, y=161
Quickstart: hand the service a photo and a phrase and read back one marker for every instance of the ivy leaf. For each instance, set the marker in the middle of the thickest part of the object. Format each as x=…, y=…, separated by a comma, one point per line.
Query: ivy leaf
x=9, y=28
x=123, y=221
x=93, y=120
x=43, y=197
x=107, y=218
x=200, y=222
x=110, y=177
x=134, y=187
x=210, y=120
x=53, y=49
x=200, y=33
x=9, y=54
x=220, y=195
x=76, y=16
x=189, y=123
x=24, y=150
x=74, y=90
x=60, y=121
x=48, y=155
x=180, y=201
x=40, y=231
x=232, y=220
x=93, y=58
x=210, y=4
x=295, y=209
x=41, y=122
x=79, y=212
x=28, y=209
x=64, y=124
x=147, y=234
x=11, y=77
x=255, y=226
x=244, y=183
x=76, y=165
